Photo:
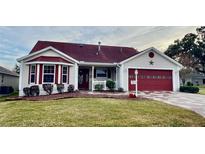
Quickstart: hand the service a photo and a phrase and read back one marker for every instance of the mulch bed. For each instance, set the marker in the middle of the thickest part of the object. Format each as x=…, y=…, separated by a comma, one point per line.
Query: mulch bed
x=71, y=95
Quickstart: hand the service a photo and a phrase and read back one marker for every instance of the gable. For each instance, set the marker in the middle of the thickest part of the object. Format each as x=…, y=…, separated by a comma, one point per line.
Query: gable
x=50, y=54
x=159, y=61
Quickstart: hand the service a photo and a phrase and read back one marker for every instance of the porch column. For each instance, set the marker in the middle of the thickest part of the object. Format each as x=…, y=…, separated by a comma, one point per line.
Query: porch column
x=92, y=77
x=76, y=76
x=59, y=74
x=21, y=79
x=121, y=77
x=116, y=78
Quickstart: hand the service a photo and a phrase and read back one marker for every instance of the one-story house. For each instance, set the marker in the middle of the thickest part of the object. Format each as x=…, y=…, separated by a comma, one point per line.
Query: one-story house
x=85, y=65
x=8, y=78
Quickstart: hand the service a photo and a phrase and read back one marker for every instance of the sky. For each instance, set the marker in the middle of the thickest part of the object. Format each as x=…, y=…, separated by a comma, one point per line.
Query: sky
x=16, y=42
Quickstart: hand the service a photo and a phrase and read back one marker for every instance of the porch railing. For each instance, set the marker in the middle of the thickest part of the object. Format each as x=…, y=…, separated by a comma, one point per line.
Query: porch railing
x=103, y=83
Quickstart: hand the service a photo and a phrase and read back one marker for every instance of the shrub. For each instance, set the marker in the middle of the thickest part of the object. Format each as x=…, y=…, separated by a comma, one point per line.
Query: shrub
x=99, y=87
x=60, y=88
x=110, y=84
x=48, y=88
x=189, y=89
x=34, y=90
x=189, y=84
x=120, y=89
x=6, y=89
x=26, y=91
x=71, y=88
x=132, y=95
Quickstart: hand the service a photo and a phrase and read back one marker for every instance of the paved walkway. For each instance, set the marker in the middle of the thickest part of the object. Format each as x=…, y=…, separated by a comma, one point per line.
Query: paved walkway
x=194, y=102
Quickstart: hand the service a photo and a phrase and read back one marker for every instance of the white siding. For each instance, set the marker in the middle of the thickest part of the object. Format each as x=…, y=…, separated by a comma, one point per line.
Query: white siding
x=142, y=62
x=24, y=73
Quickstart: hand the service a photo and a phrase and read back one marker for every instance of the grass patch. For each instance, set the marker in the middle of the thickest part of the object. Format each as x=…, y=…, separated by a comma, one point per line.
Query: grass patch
x=3, y=98
x=96, y=112
x=202, y=90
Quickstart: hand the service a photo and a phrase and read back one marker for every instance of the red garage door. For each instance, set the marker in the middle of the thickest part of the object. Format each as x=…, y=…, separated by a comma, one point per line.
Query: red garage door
x=151, y=80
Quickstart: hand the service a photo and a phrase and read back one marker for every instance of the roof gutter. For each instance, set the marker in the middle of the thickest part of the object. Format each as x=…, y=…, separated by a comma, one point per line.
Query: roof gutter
x=97, y=64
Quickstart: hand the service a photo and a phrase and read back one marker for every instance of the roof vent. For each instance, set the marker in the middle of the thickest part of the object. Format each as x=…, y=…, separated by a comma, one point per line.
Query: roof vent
x=99, y=46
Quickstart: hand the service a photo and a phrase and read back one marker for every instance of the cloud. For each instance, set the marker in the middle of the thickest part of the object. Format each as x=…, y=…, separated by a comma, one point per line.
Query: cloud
x=18, y=41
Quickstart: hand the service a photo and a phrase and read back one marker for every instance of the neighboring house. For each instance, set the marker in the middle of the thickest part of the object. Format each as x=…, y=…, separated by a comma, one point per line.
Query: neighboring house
x=9, y=78
x=196, y=78
x=85, y=65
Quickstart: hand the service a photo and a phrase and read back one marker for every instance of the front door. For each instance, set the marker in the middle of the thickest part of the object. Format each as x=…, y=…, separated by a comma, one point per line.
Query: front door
x=83, y=79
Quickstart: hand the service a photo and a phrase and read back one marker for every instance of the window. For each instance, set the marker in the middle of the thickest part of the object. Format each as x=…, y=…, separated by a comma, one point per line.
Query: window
x=65, y=74
x=48, y=76
x=100, y=72
x=32, y=73
x=203, y=81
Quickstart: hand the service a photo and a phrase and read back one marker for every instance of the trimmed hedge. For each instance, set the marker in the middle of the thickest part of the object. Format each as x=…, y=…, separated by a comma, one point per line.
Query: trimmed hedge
x=99, y=87
x=120, y=89
x=189, y=89
x=48, y=88
x=6, y=89
x=26, y=91
x=71, y=88
x=60, y=88
x=189, y=84
x=110, y=84
x=34, y=90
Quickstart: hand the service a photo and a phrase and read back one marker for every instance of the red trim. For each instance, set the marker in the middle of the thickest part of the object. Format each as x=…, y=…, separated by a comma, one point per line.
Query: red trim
x=35, y=73
x=50, y=59
x=56, y=75
x=68, y=74
x=29, y=74
x=40, y=73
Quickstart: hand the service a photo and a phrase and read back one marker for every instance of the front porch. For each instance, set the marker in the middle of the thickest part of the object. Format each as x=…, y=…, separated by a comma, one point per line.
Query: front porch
x=90, y=76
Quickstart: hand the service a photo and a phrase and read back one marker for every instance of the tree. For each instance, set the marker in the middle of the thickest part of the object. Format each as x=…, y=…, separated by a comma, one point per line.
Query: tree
x=190, y=50
x=16, y=68
x=184, y=74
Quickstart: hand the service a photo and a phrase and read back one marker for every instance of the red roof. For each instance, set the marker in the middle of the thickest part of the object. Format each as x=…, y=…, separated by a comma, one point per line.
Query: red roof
x=88, y=52
x=50, y=59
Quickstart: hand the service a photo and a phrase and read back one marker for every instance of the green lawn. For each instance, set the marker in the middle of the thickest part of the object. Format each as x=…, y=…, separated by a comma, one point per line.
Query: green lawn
x=96, y=112
x=3, y=98
x=202, y=90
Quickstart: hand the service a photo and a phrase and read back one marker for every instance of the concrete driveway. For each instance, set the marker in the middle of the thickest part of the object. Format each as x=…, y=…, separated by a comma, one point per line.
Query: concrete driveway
x=194, y=102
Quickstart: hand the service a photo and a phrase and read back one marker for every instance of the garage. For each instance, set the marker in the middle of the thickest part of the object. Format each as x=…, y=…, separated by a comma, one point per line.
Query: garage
x=151, y=80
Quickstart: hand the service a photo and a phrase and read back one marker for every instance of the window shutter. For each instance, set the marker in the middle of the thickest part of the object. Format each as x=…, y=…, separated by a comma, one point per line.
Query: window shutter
x=29, y=75
x=36, y=74
x=40, y=73
x=56, y=75
x=61, y=72
x=68, y=74
x=109, y=73
x=94, y=73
